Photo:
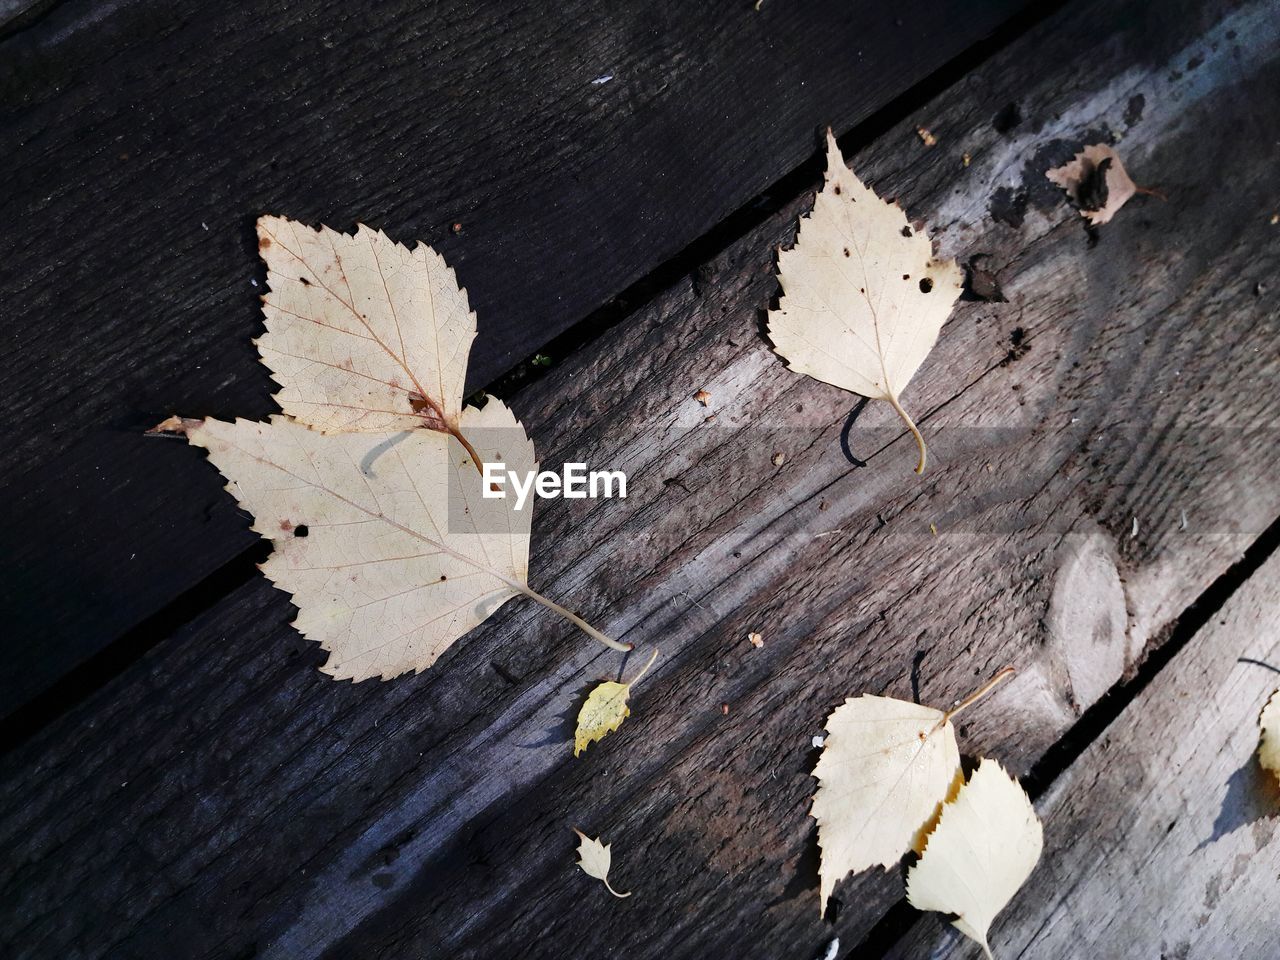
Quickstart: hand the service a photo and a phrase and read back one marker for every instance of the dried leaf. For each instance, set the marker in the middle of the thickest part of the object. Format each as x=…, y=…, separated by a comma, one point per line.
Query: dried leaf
x=863, y=296
x=1269, y=749
x=1096, y=181
x=382, y=533
x=594, y=859
x=886, y=767
x=402, y=554
x=605, y=709
x=362, y=333
x=986, y=843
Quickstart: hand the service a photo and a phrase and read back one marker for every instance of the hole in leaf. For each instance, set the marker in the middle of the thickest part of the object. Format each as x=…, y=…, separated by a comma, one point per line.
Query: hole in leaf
x=925, y=284
x=301, y=530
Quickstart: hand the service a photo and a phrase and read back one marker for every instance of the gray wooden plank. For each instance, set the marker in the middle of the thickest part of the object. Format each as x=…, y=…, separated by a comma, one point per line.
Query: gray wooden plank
x=225, y=792
x=141, y=140
x=1161, y=840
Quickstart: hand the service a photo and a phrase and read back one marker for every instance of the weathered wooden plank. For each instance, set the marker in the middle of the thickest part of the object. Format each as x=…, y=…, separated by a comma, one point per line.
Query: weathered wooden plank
x=1162, y=840
x=225, y=792
x=577, y=146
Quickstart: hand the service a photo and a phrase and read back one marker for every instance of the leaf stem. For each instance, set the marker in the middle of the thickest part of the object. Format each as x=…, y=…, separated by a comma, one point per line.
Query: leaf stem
x=471, y=451
x=573, y=618
x=643, y=670
x=1000, y=677
x=620, y=896
x=915, y=432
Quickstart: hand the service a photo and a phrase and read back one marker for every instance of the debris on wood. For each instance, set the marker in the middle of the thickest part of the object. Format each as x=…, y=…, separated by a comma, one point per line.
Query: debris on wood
x=703, y=397
x=926, y=137
x=779, y=459
x=1097, y=183
x=980, y=283
x=756, y=640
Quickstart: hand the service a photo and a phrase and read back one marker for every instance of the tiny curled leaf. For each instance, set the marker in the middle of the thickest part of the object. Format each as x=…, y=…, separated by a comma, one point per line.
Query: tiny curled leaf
x=594, y=858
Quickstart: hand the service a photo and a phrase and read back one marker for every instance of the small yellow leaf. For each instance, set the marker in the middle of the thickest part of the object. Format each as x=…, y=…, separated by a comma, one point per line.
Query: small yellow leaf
x=594, y=859
x=602, y=714
x=986, y=843
x=604, y=710
x=1269, y=750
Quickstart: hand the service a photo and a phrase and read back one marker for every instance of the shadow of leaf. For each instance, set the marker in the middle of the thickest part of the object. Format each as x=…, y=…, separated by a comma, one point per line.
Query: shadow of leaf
x=1252, y=793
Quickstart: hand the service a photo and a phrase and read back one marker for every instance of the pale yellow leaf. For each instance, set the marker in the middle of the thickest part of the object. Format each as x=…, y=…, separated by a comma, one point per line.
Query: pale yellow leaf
x=594, y=859
x=605, y=709
x=402, y=554
x=362, y=333
x=1096, y=181
x=886, y=767
x=863, y=295
x=986, y=843
x=1269, y=749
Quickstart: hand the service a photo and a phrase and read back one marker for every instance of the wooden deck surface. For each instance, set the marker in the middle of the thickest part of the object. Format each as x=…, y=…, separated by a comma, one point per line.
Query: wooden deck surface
x=1106, y=508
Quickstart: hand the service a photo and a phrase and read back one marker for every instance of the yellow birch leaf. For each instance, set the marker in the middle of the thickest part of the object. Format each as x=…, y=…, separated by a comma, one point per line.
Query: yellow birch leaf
x=1269, y=749
x=384, y=540
x=370, y=487
x=863, y=297
x=887, y=766
x=986, y=843
x=362, y=333
x=605, y=709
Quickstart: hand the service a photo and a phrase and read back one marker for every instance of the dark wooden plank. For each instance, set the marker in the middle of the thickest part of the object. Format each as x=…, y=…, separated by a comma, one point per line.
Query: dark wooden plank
x=225, y=793
x=1162, y=839
x=141, y=141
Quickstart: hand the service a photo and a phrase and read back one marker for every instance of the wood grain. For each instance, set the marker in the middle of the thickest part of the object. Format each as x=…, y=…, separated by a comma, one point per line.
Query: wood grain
x=143, y=140
x=1162, y=839
x=224, y=793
